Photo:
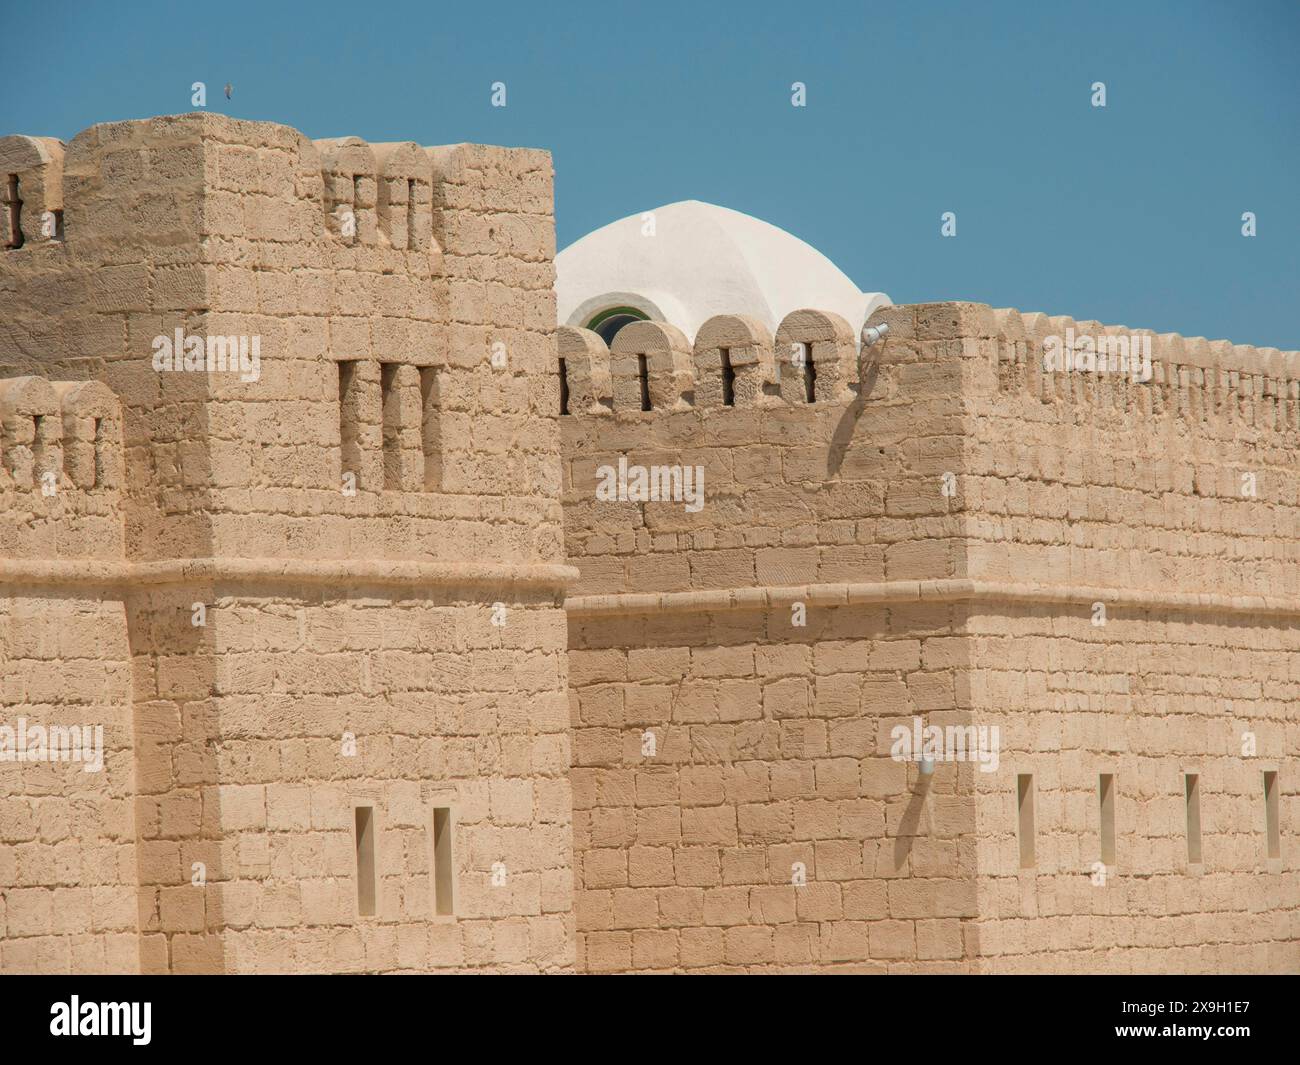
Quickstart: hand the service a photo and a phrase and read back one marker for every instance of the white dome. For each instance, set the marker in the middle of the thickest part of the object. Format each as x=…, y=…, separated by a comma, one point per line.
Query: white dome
x=702, y=260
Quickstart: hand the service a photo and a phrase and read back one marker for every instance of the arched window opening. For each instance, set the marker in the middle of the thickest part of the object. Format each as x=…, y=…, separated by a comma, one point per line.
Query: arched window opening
x=608, y=322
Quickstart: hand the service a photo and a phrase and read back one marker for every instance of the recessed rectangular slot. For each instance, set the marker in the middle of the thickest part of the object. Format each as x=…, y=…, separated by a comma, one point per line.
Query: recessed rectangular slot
x=101, y=456
x=38, y=449
x=1192, y=796
x=350, y=421
x=444, y=869
x=1106, y=802
x=643, y=375
x=728, y=379
x=809, y=374
x=1025, y=816
x=1271, y=826
x=430, y=428
x=564, y=388
x=365, y=841
x=410, y=213
x=391, y=406
x=14, y=209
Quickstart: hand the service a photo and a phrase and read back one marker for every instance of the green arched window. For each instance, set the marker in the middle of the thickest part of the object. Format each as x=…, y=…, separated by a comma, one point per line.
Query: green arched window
x=608, y=322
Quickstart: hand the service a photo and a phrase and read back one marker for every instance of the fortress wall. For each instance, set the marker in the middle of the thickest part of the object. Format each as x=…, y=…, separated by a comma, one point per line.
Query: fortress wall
x=942, y=514
x=60, y=472
x=1105, y=490
x=1064, y=494
x=1155, y=694
x=845, y=489
x=771, y=739
x=429, y=271
x=435, y=263
x=771, y=752
x=321, y=701
x=67, y=853
x=1184, y=482
x=67, y=836
x=85, y=297
x=404, y=270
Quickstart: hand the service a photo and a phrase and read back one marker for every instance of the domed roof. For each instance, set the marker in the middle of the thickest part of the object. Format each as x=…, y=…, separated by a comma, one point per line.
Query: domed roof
x=685, y=262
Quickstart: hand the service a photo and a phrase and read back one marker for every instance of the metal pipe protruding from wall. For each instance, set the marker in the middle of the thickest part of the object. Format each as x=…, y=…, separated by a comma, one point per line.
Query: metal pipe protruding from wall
x=870, y=334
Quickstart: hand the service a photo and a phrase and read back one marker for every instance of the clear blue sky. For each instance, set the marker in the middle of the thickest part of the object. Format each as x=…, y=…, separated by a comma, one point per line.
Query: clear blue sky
x=1129, y=214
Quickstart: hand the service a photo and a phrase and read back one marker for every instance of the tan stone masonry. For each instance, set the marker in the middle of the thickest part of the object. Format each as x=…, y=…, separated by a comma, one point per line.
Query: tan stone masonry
x=948, y=533
x=385, y=685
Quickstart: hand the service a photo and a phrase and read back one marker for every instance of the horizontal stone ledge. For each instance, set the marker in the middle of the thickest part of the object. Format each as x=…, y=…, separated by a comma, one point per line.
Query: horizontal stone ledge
x=771, y=597
x=123, y=574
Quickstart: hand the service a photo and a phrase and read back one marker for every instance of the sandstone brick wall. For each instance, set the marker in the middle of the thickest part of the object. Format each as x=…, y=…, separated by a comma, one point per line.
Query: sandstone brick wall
x=1154, y=695
x=340, y=583
x=1184, y=483
x=67, y=836
x=770, y=753
x=373, y=547
x=1135, y=496
x=830, y=492
x=771, y=738
x=254, y=777
x=995, y=504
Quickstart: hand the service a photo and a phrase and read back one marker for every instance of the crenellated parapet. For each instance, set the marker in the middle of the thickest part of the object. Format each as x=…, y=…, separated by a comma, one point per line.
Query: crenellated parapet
x=750, y=459
x=31, y=191
x=377, y=194
x=298, y=327
x=60, y=469
x=364, y=194
x=1057, y=357
x=734, y=362
x=955, y=444
x=1096, y=455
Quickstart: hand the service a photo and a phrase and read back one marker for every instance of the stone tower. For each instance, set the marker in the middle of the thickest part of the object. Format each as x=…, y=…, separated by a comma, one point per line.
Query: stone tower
x=308, y=579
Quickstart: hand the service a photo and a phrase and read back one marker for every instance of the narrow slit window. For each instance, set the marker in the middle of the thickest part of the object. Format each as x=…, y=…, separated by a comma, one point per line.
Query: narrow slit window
x=1271, y=826
x=1106, y=804
x=410, y=214
x=643, y=375
x=1192, y=794
x=365, y=840
x=430, y=428
x=100, y=458
x=58, y=224
x=349, y=420
x=809, y=374
x=391, y=406
x=1025, y=815
x=728, y=379
x=444, y=869
x=14, y=212
x=38, y=448
x=564, y=388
